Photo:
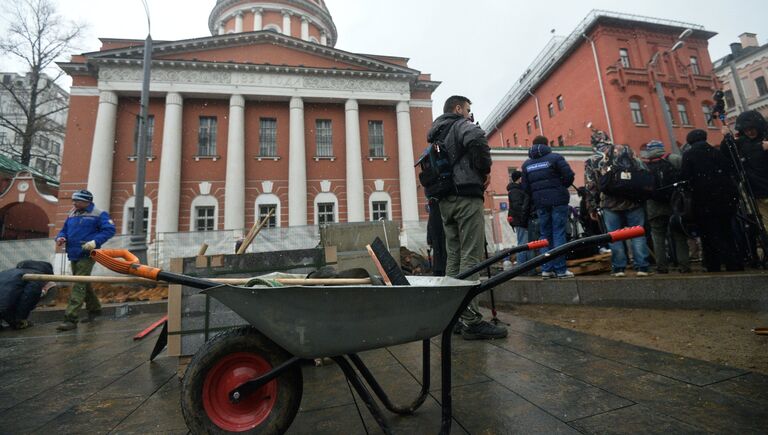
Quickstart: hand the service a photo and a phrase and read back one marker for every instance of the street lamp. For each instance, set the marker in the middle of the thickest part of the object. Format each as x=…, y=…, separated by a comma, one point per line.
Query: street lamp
x=138, y=237
x=667, y=111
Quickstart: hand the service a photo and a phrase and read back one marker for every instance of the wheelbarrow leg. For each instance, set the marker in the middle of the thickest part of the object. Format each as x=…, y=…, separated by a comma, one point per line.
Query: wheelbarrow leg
x=445, y=381
x=371, y=380
x=358, y=385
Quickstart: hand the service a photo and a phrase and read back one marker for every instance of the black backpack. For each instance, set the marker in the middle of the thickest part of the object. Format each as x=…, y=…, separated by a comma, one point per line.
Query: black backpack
x=625, y=178
x=665, y=175
x=436, y=165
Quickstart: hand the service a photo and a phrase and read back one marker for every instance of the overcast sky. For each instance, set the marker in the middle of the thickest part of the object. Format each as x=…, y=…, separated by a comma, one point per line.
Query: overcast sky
x=476, y=48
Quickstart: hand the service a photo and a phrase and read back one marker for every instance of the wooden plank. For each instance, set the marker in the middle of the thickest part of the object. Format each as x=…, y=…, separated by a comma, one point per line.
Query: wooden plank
x=599, y=257
x=201, y=262
x=217, y=261
x=331, y=255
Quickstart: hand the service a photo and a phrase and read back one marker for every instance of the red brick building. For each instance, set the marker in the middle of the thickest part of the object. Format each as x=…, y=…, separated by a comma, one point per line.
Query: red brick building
x=601, y=73
x=265, y=114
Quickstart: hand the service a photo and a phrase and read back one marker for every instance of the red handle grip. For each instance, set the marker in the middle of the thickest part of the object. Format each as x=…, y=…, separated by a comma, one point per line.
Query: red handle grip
x=627, y=233
x=538, y=244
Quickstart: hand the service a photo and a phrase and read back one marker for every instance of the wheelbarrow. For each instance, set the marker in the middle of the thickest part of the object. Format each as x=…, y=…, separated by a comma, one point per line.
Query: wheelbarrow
x=248, y=378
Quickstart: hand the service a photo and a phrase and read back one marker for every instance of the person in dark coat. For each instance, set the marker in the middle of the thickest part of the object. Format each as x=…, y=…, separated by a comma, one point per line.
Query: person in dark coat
x=18, y=297
x=546, y=177
x=715, y=200
x=519, y=212
x=436, y=238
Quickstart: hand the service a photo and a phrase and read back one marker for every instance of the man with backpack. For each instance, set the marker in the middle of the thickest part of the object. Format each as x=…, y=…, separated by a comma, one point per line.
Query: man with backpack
x=665, y=169
x=546, y=177
x=619, y=180
x=460, y=162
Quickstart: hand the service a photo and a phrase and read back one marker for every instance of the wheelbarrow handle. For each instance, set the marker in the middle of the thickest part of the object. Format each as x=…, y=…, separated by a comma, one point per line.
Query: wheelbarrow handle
x=536, y=244
x=123, y=261
x=613, y=236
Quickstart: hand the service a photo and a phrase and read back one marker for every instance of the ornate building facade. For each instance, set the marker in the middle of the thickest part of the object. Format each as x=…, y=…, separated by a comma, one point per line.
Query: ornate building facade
x=265, y=114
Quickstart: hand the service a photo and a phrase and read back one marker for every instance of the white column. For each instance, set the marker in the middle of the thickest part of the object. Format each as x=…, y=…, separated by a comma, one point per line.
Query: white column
x=323, y=38
x=305, y=28
x=170, y=166
x=355, y=195
x=287, y=22
x=102, y=152
x=239, y=22
x=408, y=201
x=221, y=28
x=234, y=190
x=297, y=166
x=257, y=19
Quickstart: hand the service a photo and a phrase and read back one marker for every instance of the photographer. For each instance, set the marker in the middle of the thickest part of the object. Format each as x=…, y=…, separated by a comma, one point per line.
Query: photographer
x=752, y=144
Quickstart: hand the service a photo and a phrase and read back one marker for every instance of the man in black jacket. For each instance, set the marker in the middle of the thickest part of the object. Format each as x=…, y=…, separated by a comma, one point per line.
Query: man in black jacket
x=715, y=199
x=18, y=297
x=462, y=210
x=519, y=212
x=752, y=144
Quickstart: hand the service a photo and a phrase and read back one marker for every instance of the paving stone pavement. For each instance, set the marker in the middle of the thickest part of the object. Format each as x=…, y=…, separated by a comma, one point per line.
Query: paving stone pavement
x=540, y=379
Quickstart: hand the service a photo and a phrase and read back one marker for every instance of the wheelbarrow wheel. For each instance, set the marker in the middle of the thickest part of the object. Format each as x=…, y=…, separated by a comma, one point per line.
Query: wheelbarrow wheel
x=230, y=358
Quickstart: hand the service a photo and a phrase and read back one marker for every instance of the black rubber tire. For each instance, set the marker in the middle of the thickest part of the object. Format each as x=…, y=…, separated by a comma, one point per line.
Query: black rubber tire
x=235, y=340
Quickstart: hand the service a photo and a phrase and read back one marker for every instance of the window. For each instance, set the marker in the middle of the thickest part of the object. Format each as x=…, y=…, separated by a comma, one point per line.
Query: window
x=560, y=103
x=729, y=101
x=762, y=89
x=52, y=169
x=206, y=136
x=560, y=141
x=145, y=220
x=708, y=115
x=205, y=218
x=637, y=112
x=624, y=58
x=536, y=122
x=668, y=107
x=695, y=66
x=551, y=110
x=514, y=138
x=683, y=114
x=55, y=148
x=528, y=127
x=510, y=170
x=375, y=138
x=324, y=138
x=150, y=133
x=3, y=138
x=40, y=165
x=264, y=210
x=325, y=213
x=380, y=210
x=267, y=137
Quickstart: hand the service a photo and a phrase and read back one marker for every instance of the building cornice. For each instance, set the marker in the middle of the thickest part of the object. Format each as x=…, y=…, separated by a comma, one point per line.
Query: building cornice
x=305, y=6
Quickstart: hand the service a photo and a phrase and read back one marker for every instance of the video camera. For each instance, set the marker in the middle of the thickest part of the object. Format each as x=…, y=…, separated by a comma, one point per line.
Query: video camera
x=719, y=108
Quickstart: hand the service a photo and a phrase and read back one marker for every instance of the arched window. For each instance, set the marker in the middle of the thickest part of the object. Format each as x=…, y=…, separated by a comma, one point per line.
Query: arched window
x=264, y=203
x=636, y=109
x=326, y=208
x=273, y=28
x=313, y=40
x=128, y=215
x=204, y=214
x=380, y=206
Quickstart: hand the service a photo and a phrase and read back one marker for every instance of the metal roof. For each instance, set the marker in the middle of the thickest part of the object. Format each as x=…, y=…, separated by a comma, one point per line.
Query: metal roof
x=12, y=166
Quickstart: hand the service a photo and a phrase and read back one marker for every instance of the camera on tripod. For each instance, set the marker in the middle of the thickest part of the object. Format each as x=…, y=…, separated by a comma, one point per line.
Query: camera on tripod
x=719, y=108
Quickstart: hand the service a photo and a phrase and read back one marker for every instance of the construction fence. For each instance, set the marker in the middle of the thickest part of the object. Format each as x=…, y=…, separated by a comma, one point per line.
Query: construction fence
x=413, y=235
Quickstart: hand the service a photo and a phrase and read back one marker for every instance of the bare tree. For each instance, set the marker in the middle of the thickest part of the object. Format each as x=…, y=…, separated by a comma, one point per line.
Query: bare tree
x=37, y=35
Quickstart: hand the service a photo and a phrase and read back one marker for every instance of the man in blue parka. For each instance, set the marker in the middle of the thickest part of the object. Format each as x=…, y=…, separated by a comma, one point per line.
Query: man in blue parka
x=546, y=177
x=86, y=229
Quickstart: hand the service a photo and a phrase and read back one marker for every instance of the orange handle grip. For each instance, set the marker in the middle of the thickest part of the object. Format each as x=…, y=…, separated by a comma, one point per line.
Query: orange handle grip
x=123, y=261
x=538, y=244
x=627, y=233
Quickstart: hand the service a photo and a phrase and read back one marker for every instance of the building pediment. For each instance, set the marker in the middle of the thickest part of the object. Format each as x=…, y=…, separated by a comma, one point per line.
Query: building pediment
x=256, y=48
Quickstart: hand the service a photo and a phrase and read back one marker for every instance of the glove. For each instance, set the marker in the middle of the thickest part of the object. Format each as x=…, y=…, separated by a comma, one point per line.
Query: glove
x=89, y=246
x=60, y=241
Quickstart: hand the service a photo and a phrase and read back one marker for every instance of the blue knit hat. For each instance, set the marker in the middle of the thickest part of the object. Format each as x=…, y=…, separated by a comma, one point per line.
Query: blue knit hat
x=654, y=145
x=82, y=195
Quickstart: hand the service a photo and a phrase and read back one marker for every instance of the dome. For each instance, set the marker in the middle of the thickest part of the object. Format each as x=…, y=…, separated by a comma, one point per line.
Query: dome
x=308, y=20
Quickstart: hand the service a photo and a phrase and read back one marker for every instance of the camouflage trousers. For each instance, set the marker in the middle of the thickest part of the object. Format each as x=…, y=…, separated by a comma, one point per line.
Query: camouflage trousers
x=81, y=292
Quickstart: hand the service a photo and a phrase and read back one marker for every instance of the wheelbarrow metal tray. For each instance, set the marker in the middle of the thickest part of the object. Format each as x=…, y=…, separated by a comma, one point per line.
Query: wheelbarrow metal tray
x=314, y=322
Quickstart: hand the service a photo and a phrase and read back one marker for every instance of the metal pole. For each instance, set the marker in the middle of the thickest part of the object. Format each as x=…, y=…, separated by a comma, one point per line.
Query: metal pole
x=667, y=117
x=602, y=88
x=138, y=237
x=538, y=113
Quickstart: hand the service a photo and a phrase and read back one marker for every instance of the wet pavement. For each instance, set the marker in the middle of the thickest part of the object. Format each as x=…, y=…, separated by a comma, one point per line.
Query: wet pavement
x=540, y=379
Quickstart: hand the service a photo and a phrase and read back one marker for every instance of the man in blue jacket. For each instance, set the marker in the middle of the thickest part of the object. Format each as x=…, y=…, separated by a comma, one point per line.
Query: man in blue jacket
x=546, y=177
x=86, y=229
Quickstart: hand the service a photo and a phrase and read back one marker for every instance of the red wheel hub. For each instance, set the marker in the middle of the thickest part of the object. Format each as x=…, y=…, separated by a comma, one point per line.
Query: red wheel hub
x=226, y=375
